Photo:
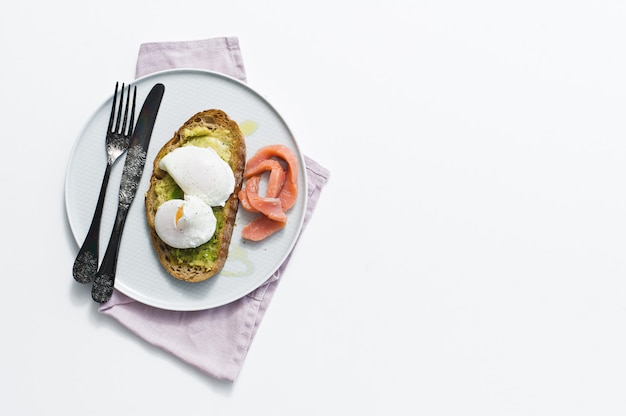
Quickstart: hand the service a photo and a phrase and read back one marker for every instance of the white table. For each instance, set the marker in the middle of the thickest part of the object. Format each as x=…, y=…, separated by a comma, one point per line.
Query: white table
x=467, y=256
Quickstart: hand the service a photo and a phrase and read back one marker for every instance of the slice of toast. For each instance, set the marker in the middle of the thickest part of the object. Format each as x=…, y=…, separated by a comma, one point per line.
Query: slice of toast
x=207, y=128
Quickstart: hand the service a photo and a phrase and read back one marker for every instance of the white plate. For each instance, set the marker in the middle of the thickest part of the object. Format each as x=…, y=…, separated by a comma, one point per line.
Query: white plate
x=139, y=273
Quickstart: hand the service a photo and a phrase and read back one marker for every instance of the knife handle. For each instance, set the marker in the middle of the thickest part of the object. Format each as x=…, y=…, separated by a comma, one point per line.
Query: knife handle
x=104, y=280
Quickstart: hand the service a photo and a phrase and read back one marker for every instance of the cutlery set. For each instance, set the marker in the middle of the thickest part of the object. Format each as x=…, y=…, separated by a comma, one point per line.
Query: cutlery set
x=122, y=136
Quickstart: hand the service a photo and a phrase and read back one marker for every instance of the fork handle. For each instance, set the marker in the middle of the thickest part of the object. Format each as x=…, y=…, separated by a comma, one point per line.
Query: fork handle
x=86, y=263
x=104, y=281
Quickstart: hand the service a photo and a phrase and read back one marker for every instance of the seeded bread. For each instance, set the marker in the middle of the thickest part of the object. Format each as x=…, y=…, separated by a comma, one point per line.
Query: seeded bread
x=232, y=149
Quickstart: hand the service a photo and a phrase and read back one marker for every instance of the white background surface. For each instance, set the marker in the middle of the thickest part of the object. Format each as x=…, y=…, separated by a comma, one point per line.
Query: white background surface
x=466, y=256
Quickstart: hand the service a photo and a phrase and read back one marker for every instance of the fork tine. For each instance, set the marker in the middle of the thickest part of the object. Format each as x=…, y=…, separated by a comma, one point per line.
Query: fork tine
x=112, y=117
x=119, y=110
x=131, y=124
x=123, y=131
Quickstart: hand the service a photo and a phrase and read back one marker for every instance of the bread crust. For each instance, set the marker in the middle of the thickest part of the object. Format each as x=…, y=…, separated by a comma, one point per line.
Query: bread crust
x=212, y=119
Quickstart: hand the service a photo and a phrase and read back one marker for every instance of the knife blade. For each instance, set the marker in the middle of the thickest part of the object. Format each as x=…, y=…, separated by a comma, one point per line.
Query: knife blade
x=104, y=280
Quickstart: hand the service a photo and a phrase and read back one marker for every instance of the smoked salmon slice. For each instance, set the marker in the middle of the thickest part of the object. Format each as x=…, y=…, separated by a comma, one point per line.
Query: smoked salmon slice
x=276, y=178
x=271, y=207
x=280, y=195
x=261, y=228
x=289, y=192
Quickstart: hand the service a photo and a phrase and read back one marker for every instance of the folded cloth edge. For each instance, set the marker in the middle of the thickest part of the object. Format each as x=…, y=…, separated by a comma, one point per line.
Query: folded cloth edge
x=221, y=54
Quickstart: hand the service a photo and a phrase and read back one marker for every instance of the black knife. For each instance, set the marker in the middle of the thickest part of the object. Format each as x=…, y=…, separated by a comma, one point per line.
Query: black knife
x=104, y=280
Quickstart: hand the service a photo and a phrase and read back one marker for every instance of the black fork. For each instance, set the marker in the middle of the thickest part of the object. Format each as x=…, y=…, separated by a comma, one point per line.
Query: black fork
x=117, y=138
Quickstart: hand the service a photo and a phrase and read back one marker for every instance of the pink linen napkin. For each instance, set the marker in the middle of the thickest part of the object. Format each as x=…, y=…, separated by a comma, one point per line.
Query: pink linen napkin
x=215, y=341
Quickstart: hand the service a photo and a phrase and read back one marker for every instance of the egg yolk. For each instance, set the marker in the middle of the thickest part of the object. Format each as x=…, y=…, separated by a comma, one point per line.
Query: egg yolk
x=179, y=214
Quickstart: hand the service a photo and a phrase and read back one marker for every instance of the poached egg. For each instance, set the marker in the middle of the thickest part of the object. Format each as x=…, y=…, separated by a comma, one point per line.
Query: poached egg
x=201, y=172
x=185, y=223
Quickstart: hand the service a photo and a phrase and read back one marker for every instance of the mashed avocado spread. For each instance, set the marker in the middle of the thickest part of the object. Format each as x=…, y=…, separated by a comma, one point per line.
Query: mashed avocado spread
x=166, y=189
